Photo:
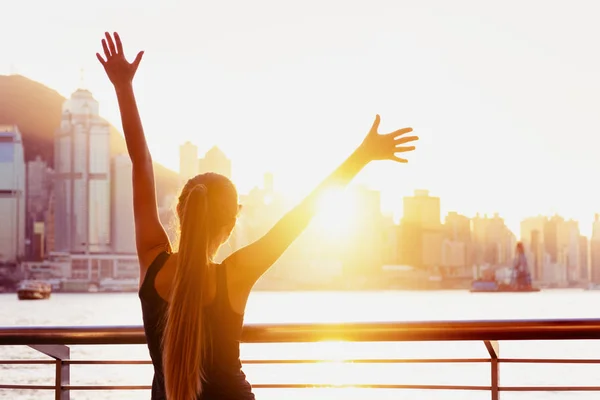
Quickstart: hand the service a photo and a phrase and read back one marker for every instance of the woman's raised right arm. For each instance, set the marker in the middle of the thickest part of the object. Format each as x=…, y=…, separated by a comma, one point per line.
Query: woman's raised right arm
x=151, y=237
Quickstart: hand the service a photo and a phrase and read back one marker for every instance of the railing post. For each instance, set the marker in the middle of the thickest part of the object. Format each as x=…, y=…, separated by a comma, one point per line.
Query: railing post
x=60, y=353
x=493, y=347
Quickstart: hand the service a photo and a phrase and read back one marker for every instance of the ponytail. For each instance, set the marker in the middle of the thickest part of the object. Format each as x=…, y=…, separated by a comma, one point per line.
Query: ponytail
x=184, y=341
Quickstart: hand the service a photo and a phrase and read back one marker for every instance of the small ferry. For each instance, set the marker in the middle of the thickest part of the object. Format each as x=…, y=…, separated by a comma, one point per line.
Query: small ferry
x=520, y=277
x=483, y=286
x=34, y=290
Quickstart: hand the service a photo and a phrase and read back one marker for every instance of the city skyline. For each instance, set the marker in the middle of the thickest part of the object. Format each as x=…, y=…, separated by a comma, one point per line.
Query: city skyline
x=349, y=238
x=190, y=152
x=491, y=95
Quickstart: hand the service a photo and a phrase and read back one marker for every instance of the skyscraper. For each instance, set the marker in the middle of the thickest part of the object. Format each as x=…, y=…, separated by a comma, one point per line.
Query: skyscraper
x=595, y=251
x=494, y=243
x=188, y=161
x=420, y=231
x=39, y=182
x=12, y=196
x=123, y=225
x=215, y=161
x=82, y=177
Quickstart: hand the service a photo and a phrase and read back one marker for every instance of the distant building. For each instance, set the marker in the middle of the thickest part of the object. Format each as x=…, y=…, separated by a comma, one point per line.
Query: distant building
x=536, y=251
x=422, y=209
x=12, y=196
x=494, y=243
x=215, y=161
x=584, y=273
x=39, y=186
x=82, y=178
x=188, y=161
x=458, y=249
x=49, y=228
x=123, y=225
x=595, y=251
x=528, y=225
x=420, y=231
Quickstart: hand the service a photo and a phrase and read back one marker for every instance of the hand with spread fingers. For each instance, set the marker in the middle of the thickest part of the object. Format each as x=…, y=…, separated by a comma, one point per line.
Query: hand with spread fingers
x=119, y=70
x=386, y=147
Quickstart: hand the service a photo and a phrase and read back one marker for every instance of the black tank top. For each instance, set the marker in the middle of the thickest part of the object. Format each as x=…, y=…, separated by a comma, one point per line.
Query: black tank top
x=225, y=379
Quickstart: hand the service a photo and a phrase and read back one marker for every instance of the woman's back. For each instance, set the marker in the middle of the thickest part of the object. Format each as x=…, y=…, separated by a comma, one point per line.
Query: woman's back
x=224, y=377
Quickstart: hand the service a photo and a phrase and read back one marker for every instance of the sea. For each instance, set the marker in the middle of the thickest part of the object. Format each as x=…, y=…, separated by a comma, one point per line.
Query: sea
x=64, y=309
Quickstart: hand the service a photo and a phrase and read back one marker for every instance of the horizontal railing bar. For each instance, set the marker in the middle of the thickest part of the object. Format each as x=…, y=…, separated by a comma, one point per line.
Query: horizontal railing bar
x=375, y=361
x=550, y=388
x=328, y=386
x=369, y=386
x=579, y=329
x=108, y=362
x=27, y=362
x=28, y=387
x=549, y=361
x=103, y=387
x=303, y=386
x=293, y=361
x=314, y=361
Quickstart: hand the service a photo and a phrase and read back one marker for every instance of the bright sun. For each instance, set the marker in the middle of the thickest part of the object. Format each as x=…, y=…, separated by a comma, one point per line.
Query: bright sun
x=337, y=212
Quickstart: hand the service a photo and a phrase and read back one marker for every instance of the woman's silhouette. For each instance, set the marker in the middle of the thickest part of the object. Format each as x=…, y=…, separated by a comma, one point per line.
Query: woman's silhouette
x=193, y=308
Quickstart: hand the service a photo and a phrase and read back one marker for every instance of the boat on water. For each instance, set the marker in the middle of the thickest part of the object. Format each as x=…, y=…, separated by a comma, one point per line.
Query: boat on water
x=483, y=286
x=34, y=290
x=592, y=286
x=520, y=278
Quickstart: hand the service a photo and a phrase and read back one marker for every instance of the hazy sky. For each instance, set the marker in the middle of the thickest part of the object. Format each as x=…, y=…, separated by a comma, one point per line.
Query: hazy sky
x=505, y=95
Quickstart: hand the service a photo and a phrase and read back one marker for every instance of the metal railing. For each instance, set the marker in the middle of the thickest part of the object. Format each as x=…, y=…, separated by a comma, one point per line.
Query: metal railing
x=55, y=342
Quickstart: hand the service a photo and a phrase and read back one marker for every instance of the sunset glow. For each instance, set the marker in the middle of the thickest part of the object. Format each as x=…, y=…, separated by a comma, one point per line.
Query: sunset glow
x=491, y=107
x=337, y=213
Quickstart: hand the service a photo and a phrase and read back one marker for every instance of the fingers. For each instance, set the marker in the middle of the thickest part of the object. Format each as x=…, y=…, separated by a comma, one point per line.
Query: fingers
x=119, y=43
x=404, y=149
x=406, y=139
x=401, y=132
x=106, y=51
x=111, y=43
x=399, y=159
x=137, y=60
x=102, y=61
x=375, y=125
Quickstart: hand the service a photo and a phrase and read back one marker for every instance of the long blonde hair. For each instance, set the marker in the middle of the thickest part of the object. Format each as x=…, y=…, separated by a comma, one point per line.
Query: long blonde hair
x=204, y=209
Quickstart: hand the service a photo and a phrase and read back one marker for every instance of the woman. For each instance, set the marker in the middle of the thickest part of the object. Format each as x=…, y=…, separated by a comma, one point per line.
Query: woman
x=193, y=309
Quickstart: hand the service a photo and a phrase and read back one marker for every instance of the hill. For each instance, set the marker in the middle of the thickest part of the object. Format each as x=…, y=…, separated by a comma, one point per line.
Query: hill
x=36, y=110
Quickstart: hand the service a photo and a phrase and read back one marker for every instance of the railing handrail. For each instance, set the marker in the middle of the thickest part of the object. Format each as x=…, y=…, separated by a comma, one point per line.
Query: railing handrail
x=546, y=329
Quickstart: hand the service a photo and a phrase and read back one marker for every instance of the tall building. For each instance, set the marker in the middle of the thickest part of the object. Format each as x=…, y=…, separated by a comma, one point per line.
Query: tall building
x=188, y=161
x=528, y=225
x=422, y=209
x=457, y=247
x=551, y=237
x=569, y=249
x=595, y=251
x=123, y=225
x=420, y=231
x=82, y=177
x=494, y=243
x=584, y=265
x=39, y=185
x=536, y=250
x=12, y=196
x=215, y=161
